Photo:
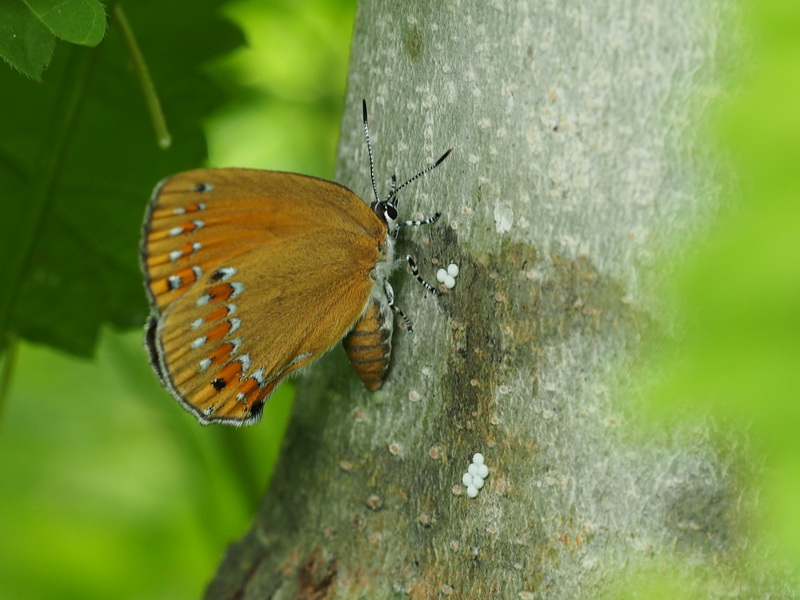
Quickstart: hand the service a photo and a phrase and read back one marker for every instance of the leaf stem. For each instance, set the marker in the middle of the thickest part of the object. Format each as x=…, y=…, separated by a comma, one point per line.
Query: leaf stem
x=143, y=75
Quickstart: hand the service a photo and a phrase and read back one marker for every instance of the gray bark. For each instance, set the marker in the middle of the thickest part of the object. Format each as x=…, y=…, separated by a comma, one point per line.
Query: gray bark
x=576, y=178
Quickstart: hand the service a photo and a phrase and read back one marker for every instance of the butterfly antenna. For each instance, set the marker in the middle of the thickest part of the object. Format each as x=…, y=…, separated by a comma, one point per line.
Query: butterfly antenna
x=393, y=192
x=369, y=150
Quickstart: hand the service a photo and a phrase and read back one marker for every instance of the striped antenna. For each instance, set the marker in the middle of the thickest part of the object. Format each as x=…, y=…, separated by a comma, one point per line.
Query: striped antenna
x=392, y=197
x=369, y=149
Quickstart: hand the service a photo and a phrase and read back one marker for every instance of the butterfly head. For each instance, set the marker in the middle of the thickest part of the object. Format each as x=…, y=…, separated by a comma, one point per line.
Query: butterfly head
x=387, y=213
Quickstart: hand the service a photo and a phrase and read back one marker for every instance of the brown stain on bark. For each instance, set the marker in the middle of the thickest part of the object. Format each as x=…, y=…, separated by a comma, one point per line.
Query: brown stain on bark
x=317, y=578
x=512, y=318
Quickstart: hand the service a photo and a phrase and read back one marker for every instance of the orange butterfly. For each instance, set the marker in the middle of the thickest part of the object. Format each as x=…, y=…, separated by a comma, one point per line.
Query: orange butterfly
x=254, y=274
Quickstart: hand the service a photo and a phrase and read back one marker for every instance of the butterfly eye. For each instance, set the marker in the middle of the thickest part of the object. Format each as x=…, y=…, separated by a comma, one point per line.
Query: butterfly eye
x=390, y=212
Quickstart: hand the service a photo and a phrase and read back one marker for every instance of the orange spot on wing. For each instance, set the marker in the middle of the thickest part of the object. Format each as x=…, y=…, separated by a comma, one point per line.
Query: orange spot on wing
x=230, y=371
x=187, y=276
x=216, y=315
x=221, y=353
x=247, y=387
x=219, y=292
x=219, y=332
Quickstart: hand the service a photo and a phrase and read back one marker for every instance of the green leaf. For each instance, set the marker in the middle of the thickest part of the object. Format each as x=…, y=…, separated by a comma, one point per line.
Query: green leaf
x=78, y=21
x=25, y=43
x=78, y=161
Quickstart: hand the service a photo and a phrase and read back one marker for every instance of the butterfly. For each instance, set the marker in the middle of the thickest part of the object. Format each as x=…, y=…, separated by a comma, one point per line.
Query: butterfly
x=252, y=275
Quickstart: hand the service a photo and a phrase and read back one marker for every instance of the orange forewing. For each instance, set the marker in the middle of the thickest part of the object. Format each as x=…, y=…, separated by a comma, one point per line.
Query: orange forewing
x=251, y=275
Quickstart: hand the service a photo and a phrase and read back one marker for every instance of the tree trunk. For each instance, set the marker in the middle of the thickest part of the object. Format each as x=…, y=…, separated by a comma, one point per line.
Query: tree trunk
x=576, y=171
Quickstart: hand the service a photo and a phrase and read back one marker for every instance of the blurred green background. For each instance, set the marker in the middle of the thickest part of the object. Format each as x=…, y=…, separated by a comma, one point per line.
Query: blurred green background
x=108, y=490
x=738, y=298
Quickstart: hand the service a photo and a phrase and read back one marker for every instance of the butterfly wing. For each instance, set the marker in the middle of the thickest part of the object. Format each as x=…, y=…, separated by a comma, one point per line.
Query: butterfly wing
x=251, y=275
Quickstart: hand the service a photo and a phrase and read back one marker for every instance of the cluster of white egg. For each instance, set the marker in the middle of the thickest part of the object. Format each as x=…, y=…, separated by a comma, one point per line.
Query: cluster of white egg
x=475, y=476
x=448, y=276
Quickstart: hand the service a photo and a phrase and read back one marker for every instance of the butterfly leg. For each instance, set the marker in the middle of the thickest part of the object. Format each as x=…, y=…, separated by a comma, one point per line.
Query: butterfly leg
x=427, y=221
x=396, y=309
x=415, y=272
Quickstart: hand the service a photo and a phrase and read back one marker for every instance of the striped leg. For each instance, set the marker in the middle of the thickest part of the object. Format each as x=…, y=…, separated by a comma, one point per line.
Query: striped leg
x=396, y=309
x=427, y=221
x=415, y=272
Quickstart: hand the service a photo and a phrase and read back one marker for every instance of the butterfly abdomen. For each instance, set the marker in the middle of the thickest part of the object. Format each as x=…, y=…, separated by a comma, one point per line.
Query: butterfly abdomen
x=369, y=344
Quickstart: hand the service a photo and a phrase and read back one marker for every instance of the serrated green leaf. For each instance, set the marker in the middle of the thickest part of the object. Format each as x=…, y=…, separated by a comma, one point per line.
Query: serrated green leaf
x=25, y=43
x=78, y=21
x=78, y=160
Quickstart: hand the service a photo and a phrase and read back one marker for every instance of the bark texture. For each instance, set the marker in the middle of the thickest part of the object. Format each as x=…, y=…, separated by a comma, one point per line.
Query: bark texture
x=576, y=170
